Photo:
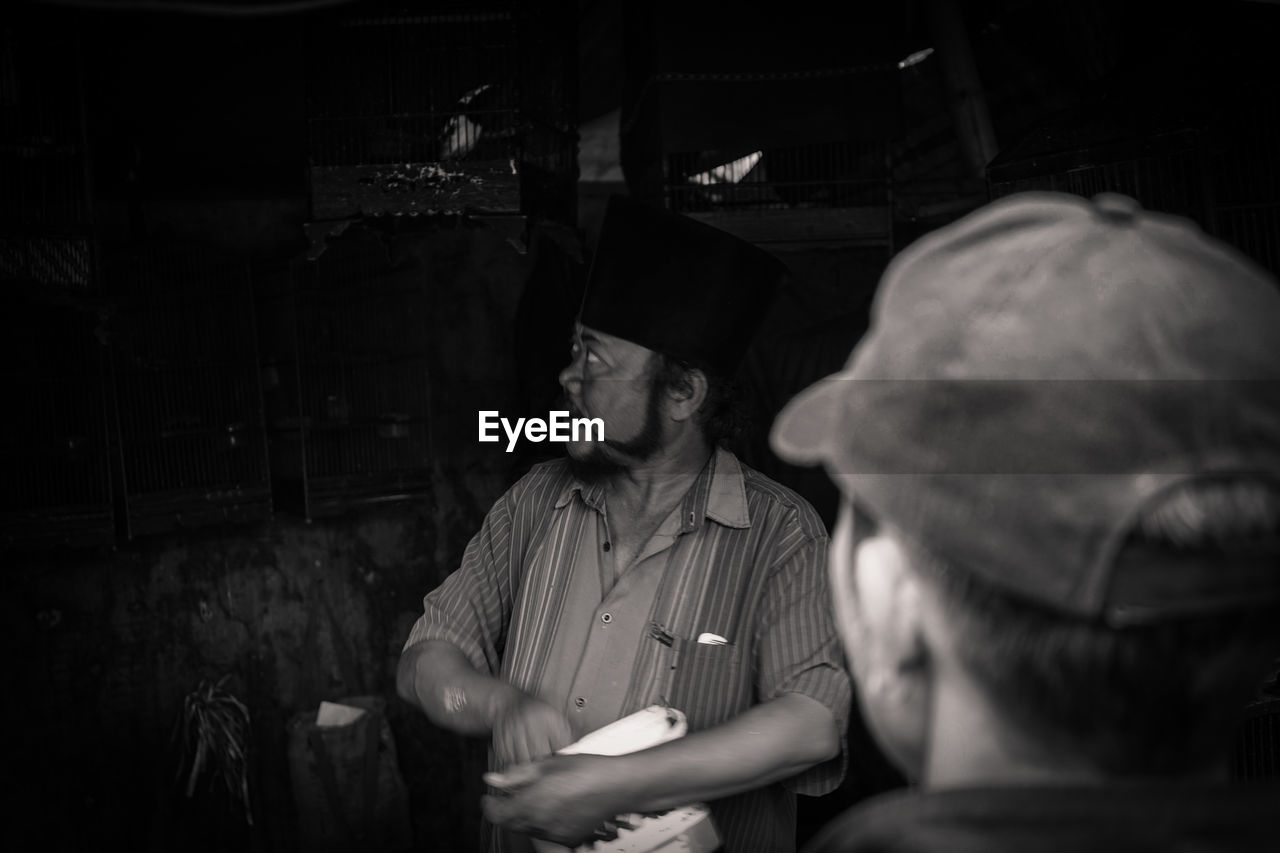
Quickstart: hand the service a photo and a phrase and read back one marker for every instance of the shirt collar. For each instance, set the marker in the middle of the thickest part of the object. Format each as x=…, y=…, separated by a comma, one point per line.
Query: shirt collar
x=719, y=493
x=592, y=494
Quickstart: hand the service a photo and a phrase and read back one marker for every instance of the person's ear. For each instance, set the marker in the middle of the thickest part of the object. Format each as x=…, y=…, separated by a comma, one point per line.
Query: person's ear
x=894, y=671
x=686, y=395
x=893, y=605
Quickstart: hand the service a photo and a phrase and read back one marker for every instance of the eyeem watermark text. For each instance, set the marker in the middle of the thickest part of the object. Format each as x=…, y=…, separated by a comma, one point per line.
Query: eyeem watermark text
x=558, y=427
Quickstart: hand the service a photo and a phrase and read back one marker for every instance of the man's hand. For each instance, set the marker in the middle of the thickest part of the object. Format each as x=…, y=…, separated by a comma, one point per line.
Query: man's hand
x=526, y=729
x=565, y=798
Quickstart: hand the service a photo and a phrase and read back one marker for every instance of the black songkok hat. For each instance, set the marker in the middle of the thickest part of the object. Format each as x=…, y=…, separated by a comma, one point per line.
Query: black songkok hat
x=678, y=286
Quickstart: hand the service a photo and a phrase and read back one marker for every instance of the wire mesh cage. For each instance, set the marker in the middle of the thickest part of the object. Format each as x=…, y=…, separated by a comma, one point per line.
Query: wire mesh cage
x=54, y=440
x=57, y=488
x=419, y=113
x=775, y=127
x=832, y=193
x=1221, y=171
x=1165, y=172
x=845, y=173
x=187, y=392
x=45, y=215
x=62, y=261
x=1256, y=753
x=1245, y=179
x=1257, y=748
x=790, y=158
x=348, y=394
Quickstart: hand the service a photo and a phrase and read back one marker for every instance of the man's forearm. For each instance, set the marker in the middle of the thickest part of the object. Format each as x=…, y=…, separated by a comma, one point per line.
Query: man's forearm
x=437, y=677
x=772, y=741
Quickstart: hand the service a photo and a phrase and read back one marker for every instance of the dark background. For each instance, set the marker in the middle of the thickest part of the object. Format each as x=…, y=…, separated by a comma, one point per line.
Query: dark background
x=253, y=302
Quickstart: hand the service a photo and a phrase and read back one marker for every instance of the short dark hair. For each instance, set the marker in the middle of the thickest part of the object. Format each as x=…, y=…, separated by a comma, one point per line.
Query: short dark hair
x=723, y=416
x=1160, y=699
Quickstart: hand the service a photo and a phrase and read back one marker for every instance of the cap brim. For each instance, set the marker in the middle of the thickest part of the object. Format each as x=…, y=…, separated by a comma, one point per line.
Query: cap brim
x=805, y=429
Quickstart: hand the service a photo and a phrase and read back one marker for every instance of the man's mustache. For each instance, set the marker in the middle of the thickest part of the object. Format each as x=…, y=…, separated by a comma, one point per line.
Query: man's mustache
x=563, y=403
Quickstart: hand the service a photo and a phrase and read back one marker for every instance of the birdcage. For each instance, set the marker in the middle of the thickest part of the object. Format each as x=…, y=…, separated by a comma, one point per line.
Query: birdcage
x=187, y=390
x=1215, y=166
x=346, y=367
x=57, y=488
x=54, y=439
x=1245, y=179
x=1165, y=170
x=437, y=112
x=832, y=194
x=45, y=217
x=1256, y=753
x=774, y=129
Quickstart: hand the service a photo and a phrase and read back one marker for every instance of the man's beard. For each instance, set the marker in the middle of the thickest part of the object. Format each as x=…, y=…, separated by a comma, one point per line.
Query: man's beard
x=597, y=464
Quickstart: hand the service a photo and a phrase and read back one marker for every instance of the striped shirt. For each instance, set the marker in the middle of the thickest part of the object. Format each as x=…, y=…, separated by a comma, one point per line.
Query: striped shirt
x=748, y=564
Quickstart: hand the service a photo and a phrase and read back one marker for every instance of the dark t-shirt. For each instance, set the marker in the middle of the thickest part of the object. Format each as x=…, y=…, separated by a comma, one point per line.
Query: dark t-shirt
x=1134, y=818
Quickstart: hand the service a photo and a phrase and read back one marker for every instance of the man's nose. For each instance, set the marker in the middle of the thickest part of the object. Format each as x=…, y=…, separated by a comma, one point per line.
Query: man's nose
x=571, y=374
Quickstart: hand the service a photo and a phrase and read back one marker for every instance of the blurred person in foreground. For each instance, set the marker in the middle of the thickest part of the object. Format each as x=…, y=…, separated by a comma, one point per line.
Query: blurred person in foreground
x=1056, y=568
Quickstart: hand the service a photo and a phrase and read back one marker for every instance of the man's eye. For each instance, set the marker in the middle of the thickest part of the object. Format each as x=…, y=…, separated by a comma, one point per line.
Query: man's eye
x=576, y=349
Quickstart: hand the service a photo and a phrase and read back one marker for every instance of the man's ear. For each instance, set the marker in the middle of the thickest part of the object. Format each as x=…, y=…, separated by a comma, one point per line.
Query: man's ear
x=686, y=395
x=900, y=617
x=893, y=665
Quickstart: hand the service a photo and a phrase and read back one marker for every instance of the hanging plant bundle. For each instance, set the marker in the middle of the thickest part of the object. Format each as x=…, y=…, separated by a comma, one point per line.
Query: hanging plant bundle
x=214, y=732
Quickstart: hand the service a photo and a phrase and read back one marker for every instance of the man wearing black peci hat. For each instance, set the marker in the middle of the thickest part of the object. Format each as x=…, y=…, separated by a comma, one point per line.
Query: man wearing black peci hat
x=651, y=567
x=1057, y=565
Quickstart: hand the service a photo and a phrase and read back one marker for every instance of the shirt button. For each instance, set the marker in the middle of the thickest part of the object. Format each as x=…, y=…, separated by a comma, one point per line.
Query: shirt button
x=580, y=702
x=606, y=618
x=606, y=546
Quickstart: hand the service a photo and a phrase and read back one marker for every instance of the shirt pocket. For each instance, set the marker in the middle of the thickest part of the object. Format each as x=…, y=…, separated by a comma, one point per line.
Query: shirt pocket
x=707, y=682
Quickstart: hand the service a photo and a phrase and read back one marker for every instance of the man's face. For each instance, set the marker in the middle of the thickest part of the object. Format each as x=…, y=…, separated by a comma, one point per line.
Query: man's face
x=865, y=568
x=612, y=379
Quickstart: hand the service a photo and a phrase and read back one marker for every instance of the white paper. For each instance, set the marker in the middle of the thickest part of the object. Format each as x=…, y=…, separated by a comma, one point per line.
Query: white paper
x=334, y=714
x=643, y=729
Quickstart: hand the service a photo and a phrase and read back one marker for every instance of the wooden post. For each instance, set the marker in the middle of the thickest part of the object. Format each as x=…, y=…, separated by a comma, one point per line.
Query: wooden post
x=964, y=93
